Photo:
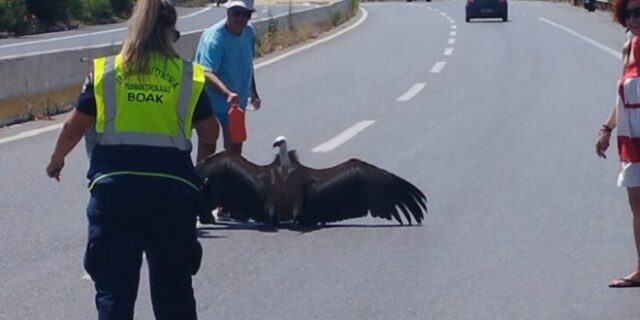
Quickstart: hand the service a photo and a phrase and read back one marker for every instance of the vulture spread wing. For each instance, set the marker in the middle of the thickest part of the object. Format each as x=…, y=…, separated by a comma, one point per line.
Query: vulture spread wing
x=235, y=184
x=356, y=188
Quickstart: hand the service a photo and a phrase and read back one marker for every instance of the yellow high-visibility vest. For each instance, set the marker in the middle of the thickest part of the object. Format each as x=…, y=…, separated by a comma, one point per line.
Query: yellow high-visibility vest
x=154, y=109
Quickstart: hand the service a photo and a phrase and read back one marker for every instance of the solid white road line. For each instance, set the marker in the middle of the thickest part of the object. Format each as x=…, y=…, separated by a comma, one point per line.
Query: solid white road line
x=448, y=51
x=343, y=137
x=315, y=43
x=596, y=44
x=90, y=34
x=30, y=133
x=415, y=89
x=438, y=67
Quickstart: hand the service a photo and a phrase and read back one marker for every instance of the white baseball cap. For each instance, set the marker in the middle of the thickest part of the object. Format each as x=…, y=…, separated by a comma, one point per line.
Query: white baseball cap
x=246, y=4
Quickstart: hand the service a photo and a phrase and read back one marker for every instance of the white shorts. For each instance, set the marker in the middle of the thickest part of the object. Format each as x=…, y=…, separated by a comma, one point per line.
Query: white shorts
x=629, y=175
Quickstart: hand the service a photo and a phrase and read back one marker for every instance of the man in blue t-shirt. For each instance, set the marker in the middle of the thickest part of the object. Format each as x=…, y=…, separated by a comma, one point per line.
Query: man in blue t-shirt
x=226, y=50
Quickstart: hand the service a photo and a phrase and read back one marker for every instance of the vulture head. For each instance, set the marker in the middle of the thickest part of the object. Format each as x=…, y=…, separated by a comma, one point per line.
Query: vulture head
x=280, y=141
x=283, y=155
x=288, y=191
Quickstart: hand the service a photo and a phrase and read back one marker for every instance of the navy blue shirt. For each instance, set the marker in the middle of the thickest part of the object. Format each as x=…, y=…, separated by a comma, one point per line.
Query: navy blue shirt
x=107, y=159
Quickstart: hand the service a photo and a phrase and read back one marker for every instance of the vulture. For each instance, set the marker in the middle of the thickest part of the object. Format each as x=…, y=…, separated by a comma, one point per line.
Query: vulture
x=286, y=191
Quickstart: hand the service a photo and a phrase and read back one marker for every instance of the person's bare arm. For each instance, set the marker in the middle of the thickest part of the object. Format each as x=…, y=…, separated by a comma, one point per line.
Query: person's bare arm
x=255, y=98
x=218, y=85
x=208, y=130
x=72, y=131
x=604, y=135
x=611, y=121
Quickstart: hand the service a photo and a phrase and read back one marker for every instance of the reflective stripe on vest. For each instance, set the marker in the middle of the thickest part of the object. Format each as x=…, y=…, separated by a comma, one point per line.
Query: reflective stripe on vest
x=150, y=110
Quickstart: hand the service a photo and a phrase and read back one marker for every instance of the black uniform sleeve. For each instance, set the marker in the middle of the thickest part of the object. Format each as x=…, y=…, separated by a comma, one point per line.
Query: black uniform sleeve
x=87, y=101
x=203, y=107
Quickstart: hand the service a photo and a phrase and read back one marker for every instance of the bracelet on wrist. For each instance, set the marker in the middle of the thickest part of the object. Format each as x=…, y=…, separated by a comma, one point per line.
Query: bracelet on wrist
x=606, y=128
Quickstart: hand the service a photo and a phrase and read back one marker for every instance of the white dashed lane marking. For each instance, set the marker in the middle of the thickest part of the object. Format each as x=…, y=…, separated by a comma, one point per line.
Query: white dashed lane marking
x=343, y=137
x=438, y=67
x=415, y=89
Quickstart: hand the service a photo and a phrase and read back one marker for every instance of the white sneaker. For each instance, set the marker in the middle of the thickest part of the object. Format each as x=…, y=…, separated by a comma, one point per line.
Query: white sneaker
x=222, y=216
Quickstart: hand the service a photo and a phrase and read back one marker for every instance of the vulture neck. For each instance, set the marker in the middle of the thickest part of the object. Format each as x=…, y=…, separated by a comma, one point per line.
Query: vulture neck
x=283, y=155
x=285, y=161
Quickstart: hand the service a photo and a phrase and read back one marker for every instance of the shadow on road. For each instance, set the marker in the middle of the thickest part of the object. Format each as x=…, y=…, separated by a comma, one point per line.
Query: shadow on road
x=205, y=231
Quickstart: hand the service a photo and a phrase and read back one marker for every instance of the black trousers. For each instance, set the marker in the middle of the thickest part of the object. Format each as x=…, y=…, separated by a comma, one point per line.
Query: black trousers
x=129, y=215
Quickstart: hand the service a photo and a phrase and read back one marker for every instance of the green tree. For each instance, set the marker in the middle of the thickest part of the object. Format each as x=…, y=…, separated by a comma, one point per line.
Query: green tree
x=99, y=11
x=77, y=10
x=48, y=12
x=13, y=17
x=121, y=7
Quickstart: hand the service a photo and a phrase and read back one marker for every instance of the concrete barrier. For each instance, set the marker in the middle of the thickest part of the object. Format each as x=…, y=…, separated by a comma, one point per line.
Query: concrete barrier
x=49, y=82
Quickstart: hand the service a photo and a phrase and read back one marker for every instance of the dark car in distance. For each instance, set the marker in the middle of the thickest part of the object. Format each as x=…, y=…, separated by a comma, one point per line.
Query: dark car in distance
x=486, y=9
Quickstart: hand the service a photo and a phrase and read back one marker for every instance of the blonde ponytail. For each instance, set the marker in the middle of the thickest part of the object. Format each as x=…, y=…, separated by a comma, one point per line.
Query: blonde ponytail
x=149, y=32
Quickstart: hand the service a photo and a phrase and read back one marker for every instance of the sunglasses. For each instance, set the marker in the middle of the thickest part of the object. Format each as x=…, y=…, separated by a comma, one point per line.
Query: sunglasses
x=237, y=13
x=175, y=35
x=635, y=12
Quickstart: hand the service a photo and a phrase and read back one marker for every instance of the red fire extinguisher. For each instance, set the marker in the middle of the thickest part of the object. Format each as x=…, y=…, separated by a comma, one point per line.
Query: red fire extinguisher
x=237, y=129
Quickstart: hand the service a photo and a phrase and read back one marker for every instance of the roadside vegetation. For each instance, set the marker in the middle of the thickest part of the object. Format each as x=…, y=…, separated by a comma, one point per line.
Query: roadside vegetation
x=19, y=17
x=275, y=38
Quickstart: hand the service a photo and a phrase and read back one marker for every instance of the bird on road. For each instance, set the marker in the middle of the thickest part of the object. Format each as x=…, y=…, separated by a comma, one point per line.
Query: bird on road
x=288, y=191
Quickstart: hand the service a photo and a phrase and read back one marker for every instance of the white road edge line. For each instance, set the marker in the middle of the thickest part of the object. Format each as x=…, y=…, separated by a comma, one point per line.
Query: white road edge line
x=343, y=137
x=32, y=133
x=438, y=67
x=90, y=34
x=415, y=89
x=315, y=43
x=596, y=44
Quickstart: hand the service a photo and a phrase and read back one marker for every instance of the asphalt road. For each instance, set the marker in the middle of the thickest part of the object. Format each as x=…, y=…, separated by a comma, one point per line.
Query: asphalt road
x=190, y=20
x=494, y=121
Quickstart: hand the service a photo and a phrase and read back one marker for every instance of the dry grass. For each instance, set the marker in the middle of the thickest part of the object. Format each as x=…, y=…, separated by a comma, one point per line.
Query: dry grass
x=277, y=40
x=40, y=105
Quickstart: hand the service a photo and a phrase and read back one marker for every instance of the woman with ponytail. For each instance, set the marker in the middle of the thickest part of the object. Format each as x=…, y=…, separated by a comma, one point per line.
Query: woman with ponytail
x=625, y=116
x=137, y=113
